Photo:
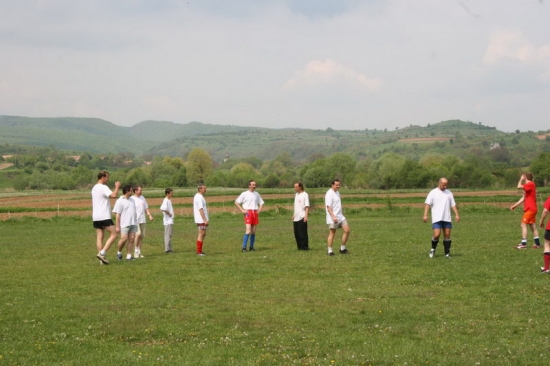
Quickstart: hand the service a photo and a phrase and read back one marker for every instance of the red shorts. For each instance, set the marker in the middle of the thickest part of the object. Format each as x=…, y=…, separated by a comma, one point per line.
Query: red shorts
x=251, y=217
x=529, y=217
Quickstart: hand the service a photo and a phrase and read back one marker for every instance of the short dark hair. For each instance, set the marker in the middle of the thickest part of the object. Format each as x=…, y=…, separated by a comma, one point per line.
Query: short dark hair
x=529, y=175
x=200, y=185
x=102, y=174
x=168, y=190
x=334, y=181
x=127, y=188
x=301, y=185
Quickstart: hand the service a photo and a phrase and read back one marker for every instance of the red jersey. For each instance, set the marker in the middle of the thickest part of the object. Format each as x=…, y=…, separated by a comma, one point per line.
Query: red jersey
x=530, y=203
x=547, y=206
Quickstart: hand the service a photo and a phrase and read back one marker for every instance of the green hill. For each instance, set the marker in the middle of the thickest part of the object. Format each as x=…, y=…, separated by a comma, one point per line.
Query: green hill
x=167, y=138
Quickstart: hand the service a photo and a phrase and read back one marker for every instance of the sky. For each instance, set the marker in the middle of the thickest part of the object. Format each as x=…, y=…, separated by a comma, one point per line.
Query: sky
x=314, y=64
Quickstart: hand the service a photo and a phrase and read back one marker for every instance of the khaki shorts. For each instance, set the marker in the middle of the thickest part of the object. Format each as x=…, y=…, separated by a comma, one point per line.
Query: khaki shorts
x=129, y=229
x=141, y=230
x=337, y=225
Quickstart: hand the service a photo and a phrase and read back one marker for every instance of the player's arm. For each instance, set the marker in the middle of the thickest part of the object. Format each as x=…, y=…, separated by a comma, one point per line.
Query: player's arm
x=306, y=213
x=331, y=213
x=240, y=207
x=543, y=216
x=521, y=180
x=114, y=194
x=457, y=218
x=151, y=218
x=203, y=216
x=426, y=210
x=518, y=202
x=117, y=218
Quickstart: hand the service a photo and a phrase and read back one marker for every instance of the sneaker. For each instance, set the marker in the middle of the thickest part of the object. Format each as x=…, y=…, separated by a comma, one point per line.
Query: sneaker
x=543, y=271
x=168, y=252
x=141, y=255
x=447, y=256
x=130, y=259
x=432, y=253
x=535, y=246
x=331, y=253
x=201, y=254
x=102, y=258
x=344, y=251
x=521, y=246
x=244, y=250
x=119, y=256
x=251, y=249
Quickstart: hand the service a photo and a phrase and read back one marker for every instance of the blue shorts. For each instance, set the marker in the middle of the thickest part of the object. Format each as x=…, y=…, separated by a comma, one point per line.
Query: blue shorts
x=442, y=225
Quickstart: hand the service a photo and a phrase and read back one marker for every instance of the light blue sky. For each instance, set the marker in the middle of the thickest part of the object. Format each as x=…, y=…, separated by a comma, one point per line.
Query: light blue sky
x=283, y=63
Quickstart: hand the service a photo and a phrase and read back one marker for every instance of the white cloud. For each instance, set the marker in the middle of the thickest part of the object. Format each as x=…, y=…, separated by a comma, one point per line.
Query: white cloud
x=329, y=72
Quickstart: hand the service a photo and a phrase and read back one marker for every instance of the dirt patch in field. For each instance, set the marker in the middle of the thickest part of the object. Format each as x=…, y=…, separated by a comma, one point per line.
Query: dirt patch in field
x=5, y=165
x=80, y=204
x=542, y=137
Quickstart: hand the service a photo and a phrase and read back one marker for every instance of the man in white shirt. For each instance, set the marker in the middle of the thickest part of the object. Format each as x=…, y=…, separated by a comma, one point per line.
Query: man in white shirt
x=335, y=217
x=141, y=210
x=126, y=222
x=167, y=219
x=101, y=214
x=300, y=216
x=250, y=204
x=440, y=200
x=200, y=213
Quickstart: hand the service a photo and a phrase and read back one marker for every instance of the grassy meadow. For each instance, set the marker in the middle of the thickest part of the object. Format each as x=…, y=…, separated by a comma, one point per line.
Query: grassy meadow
x=386, y=303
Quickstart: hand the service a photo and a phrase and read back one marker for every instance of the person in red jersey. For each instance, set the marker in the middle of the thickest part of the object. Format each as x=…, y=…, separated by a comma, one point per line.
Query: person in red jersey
x=529, y=200
x=546, y=254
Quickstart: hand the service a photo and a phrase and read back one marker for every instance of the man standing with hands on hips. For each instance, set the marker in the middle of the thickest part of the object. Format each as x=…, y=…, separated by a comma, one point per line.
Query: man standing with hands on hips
x=250, y=204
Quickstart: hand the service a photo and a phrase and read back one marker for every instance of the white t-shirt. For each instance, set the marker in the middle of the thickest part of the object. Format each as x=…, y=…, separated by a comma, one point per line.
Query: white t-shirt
x=127, y=210
x=301, y=201
x=141, y=206
x=198, y=203
x=167, y=206
x=441, y=203
x=101, y=204
x=250, y=200
x=332, y=200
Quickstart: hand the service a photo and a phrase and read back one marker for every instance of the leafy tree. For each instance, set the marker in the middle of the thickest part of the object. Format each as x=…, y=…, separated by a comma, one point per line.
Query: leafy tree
x=540, y=167
x=199, y=166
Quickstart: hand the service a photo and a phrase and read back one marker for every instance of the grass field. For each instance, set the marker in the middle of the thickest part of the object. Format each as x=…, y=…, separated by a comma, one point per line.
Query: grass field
x=386, y=303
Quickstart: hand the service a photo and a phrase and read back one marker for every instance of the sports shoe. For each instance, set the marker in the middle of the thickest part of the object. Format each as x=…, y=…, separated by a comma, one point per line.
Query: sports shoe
x=543, y=271
x=251, y=249
x=141, y=255
x=331, y=253
x=244, y=250
x=119, y=256
x=521, y=246
x=447, y=256
x=432, y=253
x=535, y=246
x=201, y=254
x=102, y=258
x=344, y=251
x=130, y=259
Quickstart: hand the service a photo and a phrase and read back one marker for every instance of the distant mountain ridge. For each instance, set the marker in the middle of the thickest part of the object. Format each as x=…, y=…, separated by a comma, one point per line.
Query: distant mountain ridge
x=166, y=138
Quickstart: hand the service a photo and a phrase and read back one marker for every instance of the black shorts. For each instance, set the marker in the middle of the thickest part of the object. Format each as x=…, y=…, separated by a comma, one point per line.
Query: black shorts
x=103, y=224
x=547, y=234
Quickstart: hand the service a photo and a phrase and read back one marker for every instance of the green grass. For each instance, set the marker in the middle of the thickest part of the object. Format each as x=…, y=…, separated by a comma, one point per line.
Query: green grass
x=386, y=303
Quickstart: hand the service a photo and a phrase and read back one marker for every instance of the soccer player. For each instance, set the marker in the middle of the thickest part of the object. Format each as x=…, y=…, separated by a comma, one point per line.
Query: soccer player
x=141, y=209
x=167, y=219
x=335, y=217
x=101, y=214
x=440, y=200
x=250, y=204
x=200, y=213
x=126, y=222
x=546, y=254
x=529, y=200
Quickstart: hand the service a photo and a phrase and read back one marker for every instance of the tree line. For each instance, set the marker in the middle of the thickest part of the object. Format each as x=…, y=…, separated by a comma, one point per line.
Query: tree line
x=49, y=168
